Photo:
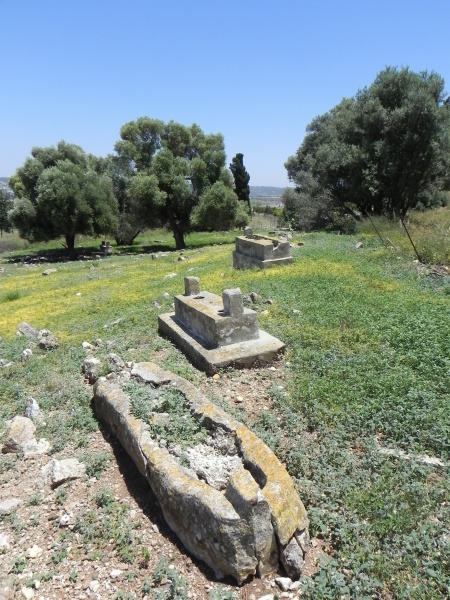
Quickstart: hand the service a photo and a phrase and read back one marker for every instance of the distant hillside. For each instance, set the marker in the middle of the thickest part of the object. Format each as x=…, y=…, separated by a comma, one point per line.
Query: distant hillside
x=265, y=191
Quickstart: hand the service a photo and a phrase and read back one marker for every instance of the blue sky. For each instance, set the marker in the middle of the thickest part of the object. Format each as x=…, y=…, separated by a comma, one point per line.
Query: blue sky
x=257, y=71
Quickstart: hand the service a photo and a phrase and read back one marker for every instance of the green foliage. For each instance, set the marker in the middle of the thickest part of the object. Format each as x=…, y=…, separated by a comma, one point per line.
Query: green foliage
x=174, y=165
x=219, y=593
x=18, y=565
x=219, y=209
x=6, y=204
x=385, y=151
x=175, y=588
x=97, y=529
x=241, y=179
x=61, y=194
x=180, y=428
x=95, y=462
x=11, y=296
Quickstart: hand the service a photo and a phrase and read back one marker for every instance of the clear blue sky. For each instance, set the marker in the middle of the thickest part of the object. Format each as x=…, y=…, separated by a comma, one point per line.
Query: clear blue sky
x=257, y=71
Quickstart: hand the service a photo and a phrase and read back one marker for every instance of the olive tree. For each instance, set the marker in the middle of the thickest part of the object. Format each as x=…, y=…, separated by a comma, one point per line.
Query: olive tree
x=62, y=191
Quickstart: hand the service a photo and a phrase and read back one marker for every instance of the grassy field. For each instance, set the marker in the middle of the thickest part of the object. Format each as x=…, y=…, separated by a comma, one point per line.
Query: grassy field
x=367, y=368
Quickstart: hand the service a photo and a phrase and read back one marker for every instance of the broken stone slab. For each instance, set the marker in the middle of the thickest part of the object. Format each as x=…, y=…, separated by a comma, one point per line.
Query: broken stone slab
x=57, y=472
x=28, y=331
x=238, y=533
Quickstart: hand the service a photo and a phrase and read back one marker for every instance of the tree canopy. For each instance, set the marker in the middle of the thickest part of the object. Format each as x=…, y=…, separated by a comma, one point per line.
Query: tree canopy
x=384, y=151
x=241, y=179
x=62, y=191
x=169, y=168
x=6, y=205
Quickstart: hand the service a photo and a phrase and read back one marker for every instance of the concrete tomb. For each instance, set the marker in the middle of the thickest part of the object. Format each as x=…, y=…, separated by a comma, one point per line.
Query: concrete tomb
x=260, y=251
x=216, y=331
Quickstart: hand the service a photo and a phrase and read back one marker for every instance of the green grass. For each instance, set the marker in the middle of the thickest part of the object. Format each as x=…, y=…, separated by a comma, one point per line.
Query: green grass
x=368, y=364
x=429, y=230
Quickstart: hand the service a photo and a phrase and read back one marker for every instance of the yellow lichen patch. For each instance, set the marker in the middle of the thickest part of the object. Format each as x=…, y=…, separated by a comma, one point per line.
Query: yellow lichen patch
x=287, y=509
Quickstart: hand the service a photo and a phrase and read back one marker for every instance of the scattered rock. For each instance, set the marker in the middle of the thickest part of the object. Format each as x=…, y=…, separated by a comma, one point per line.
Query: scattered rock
x=57, y=472
x=9, y=506
x=115, y=574
x=27, y=593
x=284, y=583
x=26, y=354
x=359, y=245
x=20, y=431
x=92, y=368
x=292, y=559
x=170, y=276
x=34, y=551
x=46, y=340
x=64, y=521
x=49, y=271
x=155, y=304
x=32, y=410
x=115, y=362
x=4, y=543
x=87, y=346
x=36, y=447
x=253, y=297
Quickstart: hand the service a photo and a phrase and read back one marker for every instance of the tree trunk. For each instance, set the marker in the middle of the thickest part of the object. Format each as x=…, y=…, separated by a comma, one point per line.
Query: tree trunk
x=70, y=242
x=179, y=238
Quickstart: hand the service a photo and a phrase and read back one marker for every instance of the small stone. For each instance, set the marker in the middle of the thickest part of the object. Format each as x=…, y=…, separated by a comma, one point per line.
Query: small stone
x=166, y=295
x=155, y=304
x=155, y=527
x=87, y=346
x=359, y=245
x=64, y=521
x=26, y=354
x=295, y=586
x=115, y=574
x=4, y=541
x=284, y=583
x=295, y=311
x=34, y=551
x=216, y=376
x=27, y=593
x=170, y=276
x=94, y=585
x=78, y=294
x=48, y=271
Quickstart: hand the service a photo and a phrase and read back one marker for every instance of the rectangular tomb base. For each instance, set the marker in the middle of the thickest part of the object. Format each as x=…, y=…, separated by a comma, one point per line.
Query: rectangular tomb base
x=242, y=261
x=262, y=350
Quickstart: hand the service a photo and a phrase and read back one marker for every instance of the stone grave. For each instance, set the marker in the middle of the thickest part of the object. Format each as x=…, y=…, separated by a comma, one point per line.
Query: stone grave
x=215, y=331
x=260, y=251
x=242, y=523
